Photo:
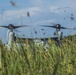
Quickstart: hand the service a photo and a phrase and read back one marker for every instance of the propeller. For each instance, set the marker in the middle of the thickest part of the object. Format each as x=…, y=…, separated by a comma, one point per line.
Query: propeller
x=11, y=26
x=57, y=26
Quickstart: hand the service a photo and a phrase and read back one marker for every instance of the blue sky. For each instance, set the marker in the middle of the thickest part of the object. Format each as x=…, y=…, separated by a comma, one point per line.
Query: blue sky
x=42, y=12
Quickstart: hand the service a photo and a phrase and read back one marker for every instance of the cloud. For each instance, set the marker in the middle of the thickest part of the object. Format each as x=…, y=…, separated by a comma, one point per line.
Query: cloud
x=15, y=14
x=11, y=15
x=38, y=3
x=44, y=22
x=73, y=5
x=34, y=10
x=56, y=9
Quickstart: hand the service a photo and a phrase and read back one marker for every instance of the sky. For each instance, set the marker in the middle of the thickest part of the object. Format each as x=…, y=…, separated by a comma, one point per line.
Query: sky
x=42, y=12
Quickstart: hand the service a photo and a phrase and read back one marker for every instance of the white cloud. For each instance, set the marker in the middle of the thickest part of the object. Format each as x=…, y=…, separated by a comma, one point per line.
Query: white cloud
x=73, y=5
x=39, y=3
x=13, y=14
x=16, y=14
x=44, y=22
x=56, y=9
x=34, y=10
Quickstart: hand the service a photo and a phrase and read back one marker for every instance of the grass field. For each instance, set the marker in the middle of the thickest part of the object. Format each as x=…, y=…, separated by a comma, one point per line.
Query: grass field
x=34, y=60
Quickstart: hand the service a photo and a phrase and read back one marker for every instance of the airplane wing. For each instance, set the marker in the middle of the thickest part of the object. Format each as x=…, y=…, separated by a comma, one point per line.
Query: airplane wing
x=32, y=39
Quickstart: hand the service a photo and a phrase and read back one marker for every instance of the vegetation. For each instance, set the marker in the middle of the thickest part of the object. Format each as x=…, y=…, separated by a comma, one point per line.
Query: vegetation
x=34, y=60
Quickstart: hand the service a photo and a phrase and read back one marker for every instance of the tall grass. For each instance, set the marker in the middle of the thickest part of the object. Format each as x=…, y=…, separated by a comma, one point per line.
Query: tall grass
x=34, y=60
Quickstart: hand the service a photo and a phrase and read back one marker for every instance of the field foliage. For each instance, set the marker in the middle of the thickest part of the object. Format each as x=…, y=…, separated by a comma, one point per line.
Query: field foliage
x=34, y=60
